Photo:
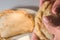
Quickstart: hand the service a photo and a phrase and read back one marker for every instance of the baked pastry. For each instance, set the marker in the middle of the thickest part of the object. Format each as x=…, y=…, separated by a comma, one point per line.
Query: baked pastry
x=15, y=22
x=40, y=29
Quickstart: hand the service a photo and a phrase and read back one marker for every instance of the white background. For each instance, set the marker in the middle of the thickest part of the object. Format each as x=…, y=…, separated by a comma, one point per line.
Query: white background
x=8, y=4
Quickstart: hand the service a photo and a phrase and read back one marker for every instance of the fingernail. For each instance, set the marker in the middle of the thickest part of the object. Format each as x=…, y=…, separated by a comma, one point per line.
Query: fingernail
x=45, y=19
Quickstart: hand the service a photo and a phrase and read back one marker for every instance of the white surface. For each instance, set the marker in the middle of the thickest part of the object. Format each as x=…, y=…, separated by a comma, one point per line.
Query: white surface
x=8, y=4
x=21, y=37
x=24, y=38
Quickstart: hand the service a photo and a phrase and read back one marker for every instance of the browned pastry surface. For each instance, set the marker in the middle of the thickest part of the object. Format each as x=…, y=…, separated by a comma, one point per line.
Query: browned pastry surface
x=14, y=22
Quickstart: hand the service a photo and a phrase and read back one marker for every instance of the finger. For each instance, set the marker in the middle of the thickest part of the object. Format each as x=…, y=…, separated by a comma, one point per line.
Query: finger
x=34, y=36
x=49, y=25
x=52, y=20
x=41, y=2
x=48, y=20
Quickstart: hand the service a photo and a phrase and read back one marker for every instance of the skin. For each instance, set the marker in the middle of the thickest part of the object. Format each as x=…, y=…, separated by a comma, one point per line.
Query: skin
x=53, y=28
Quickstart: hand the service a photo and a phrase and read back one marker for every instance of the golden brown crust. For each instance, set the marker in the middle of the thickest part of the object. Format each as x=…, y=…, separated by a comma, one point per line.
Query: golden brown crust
x=9, y=31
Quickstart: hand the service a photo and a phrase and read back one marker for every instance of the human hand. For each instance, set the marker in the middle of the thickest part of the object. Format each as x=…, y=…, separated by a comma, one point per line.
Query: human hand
x=53, y=25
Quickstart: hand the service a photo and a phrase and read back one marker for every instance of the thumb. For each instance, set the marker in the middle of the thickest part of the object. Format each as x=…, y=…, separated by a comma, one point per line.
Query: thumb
x=49, y=24
x=49, y=20
x=34, y=36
